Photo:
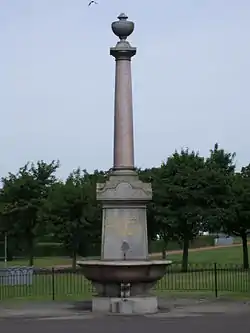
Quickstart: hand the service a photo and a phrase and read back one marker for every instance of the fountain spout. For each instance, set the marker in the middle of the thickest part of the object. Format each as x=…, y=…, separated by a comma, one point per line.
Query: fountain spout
x=125, y=248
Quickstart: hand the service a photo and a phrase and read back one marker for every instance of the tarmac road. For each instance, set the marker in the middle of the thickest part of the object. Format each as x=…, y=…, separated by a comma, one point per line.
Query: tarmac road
x=124, y=324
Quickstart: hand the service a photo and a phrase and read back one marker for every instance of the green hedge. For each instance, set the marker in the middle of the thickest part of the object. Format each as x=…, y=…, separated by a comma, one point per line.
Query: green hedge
x=200, y=241
x=48, y=250
x=41, y=250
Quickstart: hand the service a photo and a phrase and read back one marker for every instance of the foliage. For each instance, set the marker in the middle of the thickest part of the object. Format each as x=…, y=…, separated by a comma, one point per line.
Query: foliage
x=221, y=160
x=188, y=190
x=178, y=193
x=72, y=212
x=232, y=213
x=238, y=221
x=153, y=228
x=22, y=196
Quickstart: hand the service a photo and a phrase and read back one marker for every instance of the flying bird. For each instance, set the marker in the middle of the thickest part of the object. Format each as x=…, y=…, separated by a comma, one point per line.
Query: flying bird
x=92, y=2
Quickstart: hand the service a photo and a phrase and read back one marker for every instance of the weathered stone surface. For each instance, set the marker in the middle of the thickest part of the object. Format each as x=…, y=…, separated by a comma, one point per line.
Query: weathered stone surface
x=124, y=199
x=125, y=187
x=133, y=305
x=124, y=224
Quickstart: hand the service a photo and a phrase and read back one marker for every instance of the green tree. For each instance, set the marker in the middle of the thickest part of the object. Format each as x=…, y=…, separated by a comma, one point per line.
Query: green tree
x=219, y=195
x=222, y=160
x=147, y=176
x=187, y=191
x=237, y=222
x=159, y=227
x=21, y=199
x=72, y=209
x=229, y=210
x=178, y=193
x=98, y=176
x=233, y=214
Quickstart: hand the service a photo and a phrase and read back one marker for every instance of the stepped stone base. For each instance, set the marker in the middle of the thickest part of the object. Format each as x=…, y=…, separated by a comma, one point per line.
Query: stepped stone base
x=131, y=305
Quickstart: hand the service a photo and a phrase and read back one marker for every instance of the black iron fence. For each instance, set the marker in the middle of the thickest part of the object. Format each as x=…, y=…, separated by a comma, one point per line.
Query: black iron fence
x=66, y=283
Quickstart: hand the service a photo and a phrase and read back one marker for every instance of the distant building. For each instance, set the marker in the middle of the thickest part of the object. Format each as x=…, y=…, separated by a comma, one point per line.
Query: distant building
x=223, y=239
x=203, y=233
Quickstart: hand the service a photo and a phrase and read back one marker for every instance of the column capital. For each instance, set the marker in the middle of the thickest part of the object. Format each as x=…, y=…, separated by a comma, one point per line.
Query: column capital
x=123, y=51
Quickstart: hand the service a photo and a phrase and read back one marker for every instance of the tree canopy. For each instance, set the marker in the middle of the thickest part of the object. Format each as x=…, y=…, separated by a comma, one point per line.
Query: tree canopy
x=22, y=197
x=191, y=194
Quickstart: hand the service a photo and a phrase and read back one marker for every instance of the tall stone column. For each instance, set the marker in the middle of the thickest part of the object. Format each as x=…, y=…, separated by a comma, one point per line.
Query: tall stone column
x=123, y=117
x=124, y=196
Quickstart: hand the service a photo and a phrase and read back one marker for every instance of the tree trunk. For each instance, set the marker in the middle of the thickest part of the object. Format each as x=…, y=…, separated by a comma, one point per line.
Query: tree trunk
x=245, y=250
x=185, y=255
x=74, y=260
x=31, y=250
x=164, y=250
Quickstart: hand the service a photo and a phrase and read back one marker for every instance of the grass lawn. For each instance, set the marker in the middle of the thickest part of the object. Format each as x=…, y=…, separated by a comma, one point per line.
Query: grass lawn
x=73, y=286
x=226, y=255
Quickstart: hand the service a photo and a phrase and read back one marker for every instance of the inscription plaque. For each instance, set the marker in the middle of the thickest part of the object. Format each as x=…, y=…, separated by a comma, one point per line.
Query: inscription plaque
x=123, y=226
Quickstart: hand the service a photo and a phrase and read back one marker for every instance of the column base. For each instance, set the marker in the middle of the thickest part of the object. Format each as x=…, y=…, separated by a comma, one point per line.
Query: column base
x=131, y=305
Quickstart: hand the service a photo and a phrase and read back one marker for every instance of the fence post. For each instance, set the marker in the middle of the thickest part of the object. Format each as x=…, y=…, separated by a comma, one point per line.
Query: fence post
x=215, y=280
x=248, y=280
x=53, y=283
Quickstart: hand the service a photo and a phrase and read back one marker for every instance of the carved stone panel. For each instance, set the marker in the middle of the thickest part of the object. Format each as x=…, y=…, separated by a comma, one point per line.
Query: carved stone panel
x=122, y=190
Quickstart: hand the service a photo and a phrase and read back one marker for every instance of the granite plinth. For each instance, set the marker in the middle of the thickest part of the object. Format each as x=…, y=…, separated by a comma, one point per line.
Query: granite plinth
x=124, y=198
x=132, y=305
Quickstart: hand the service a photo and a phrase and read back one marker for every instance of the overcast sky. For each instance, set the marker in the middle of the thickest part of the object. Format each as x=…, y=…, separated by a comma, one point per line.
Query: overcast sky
x=190, y=80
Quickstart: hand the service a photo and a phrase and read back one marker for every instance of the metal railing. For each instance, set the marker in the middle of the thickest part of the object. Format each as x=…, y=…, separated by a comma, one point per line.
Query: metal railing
x=66, y=283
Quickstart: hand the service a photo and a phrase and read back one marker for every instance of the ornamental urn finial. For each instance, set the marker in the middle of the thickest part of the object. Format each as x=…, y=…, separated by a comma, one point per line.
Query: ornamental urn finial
x=123, y=28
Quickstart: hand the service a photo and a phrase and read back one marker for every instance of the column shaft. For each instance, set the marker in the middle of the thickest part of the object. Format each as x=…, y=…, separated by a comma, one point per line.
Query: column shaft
x=123, y=117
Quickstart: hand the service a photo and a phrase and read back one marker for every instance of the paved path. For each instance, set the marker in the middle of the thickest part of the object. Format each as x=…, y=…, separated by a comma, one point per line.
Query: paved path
x=176, y=315
x=168, y=308
x=115, y=324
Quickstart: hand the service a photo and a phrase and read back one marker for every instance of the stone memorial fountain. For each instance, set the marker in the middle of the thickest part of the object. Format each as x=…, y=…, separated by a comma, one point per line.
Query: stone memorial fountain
x=124, y=275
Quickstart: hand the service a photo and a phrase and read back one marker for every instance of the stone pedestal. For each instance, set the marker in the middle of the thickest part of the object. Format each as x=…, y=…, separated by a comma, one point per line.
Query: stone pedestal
x=132, y=305
x=124, y=198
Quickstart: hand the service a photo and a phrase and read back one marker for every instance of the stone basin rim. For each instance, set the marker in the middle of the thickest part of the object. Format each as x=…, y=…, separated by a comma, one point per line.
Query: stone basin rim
x=123, y=262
